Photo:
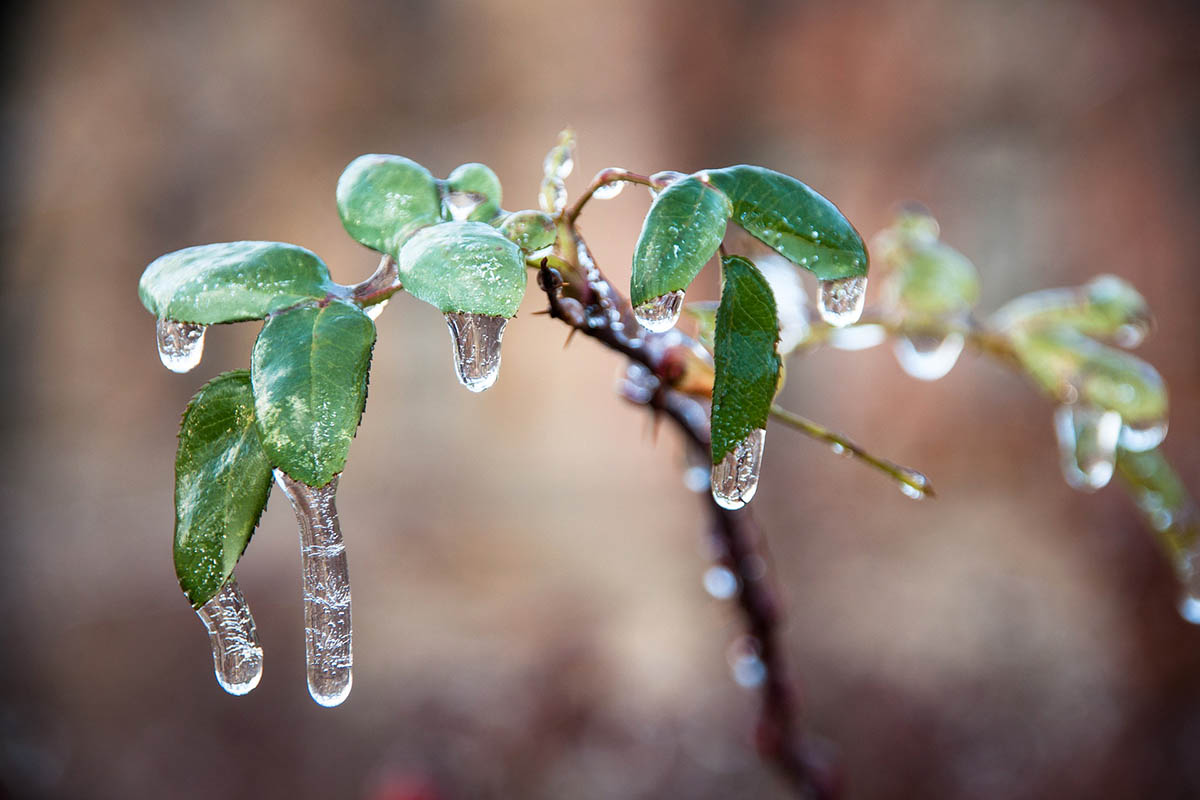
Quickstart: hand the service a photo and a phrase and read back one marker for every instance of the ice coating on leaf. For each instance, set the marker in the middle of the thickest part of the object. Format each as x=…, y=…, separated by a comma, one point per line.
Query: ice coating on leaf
x=661, y=313
x=1107, y=308
x=1087, y=441
x=553, y=197
x=840, y=302
x=384, y=199
x=180, y=344
x=735, y=477
x=928, y=357
x=329, y=655
x=476, y=339
x=1143, y=437
x=529, y=230
x=464, y=266
x=474, y=192
x=237, y=655
x=462, y=205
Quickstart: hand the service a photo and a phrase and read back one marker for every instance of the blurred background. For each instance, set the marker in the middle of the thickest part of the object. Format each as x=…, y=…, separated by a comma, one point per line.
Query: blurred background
x=529, y=615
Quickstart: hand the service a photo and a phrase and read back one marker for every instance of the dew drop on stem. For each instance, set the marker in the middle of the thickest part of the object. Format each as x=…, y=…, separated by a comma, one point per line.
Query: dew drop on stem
x=476, y=339
x=661, y=313
x=180, y=344
x=1087, y=444
x=840, y=301
x=928, y=357
x=237, y=655
x=735, y=478
x=326, y=582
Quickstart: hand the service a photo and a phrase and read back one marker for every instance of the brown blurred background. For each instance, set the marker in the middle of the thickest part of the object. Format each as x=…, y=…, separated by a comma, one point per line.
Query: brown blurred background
x=526, y=564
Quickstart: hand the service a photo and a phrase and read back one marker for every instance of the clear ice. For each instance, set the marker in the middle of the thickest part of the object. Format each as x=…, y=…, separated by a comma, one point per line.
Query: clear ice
x=840, y=302
x=1087, y=445
x=373, y=311
x=462, y=204
x=327, y=630
x=928, y=357
x=663, y=179
x=720, y=582
x=745, y=664
x=237, y=655
x=553, y=197
x=180, y=344
x=609, y=190
x=735, y=479
x=1140, y=438
x=476, y=339
x=661, y=313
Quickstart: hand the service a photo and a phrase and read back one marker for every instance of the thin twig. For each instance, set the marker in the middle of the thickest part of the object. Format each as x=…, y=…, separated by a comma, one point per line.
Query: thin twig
x=603, y=178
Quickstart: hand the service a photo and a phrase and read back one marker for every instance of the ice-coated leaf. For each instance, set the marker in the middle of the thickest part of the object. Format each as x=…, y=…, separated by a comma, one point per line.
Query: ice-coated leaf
x=232, y=281
x=222, y=479
x=530, y=230
x=384, y=199
x=792, y=219
x=682, y=230
x=1106, y=307
x=309, y=372
x=929, y=279
x=480, y=180
x=464, y=266
x=746, y=355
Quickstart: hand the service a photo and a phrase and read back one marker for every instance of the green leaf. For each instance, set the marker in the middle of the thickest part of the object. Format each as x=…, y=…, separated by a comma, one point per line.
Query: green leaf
x=745, y=351
x=478, y=179
x=464, y=266
x=795, y=221
x=309, y=371
x=222, y=479
x=233, y=281
x=530, y=230
x=931, y=280
x=683, y=229
x=384, y=199
x=1106, y=307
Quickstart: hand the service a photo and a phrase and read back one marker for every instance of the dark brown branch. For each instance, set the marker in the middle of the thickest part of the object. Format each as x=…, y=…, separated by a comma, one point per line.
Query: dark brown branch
x=779, y=736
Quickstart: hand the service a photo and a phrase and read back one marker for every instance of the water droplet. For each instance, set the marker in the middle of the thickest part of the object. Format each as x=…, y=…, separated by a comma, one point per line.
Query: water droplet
x=462, y=204
x=661, y=313
x=858, y=337
x=663, y=179
x=609, y=190
x=180, y=344
x=720, y=582
x=1087, y=443
x=1189, y=609
x=1143, y=437
x=735, y=479
x=326, y=580
x=375, y=310
x=237, y=655
x=928, y=357
x=476, y=339
x=553, y=197
x=747, y=667
x=840, y=302
x=696, y=479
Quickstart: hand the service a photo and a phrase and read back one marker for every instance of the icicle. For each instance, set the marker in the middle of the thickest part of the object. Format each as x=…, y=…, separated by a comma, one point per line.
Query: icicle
x=237, y=655
x=476, y=339
x=327, y=631
x=1087, y=442
x=180, y=344
x=735, y=479
x=840, y=302
x=661, y=313
x=928, y=357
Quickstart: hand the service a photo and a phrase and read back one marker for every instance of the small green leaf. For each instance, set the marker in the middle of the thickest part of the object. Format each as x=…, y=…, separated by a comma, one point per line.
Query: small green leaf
x=232, y=281
x=309, y=372
x=745, y=351
x=222, y=479
x=931, y=280
x=795, y=221
x=1106, y=307
x=682, y=230
x=478, y=179
x=384, y=199
x=464, y=266
x=530, y=230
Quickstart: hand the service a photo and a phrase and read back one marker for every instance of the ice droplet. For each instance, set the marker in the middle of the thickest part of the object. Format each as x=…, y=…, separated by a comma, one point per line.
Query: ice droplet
x=237, y=655
x=928, y=358
x=559, y=162
x=327, y=629
x=663, y=179
x=609, y=190
x=462, y=204
x=553, y=197
x=1140, y=438
x=747, y=667
x=1189, y=609
x=910, y=490
x=720, y=582
x=374, y=311
x=696, y=479
x=735, y=479
x=840, y=302
x=858, y=337
x=180, y=344
x=1087, y=444
x=661, y=313
x=476, y=339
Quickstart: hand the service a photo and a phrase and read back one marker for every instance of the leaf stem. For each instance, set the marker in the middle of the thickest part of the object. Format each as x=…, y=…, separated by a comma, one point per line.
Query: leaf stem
x=384, y=283
x=603, y=178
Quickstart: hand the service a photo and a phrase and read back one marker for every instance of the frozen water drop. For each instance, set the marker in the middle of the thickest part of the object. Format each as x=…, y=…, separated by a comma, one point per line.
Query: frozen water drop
x=1087, y=443
x=327, y=625
x=916, y=487
x=1189, y=609
x=661, y=313
x=928, y=357
x=663, y=179
x=180, y=344
x=237, y=655
x=559, y=162
x=840, y=302
x=609, y=190
x=476, y=339
x=375, y=310
x=858, y=337
x=696, y=479
x=720, y=582
x=553, y=197
x=462, y=204
x=735, y=478
x=745, y=664
x=1139, y=438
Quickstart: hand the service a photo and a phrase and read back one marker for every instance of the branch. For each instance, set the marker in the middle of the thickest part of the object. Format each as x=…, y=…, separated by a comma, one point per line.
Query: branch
x=603, y=178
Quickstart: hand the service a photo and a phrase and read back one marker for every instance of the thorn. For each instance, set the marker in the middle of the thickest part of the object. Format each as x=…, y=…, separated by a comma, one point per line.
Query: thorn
x=545, y=312
x=570, y=336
